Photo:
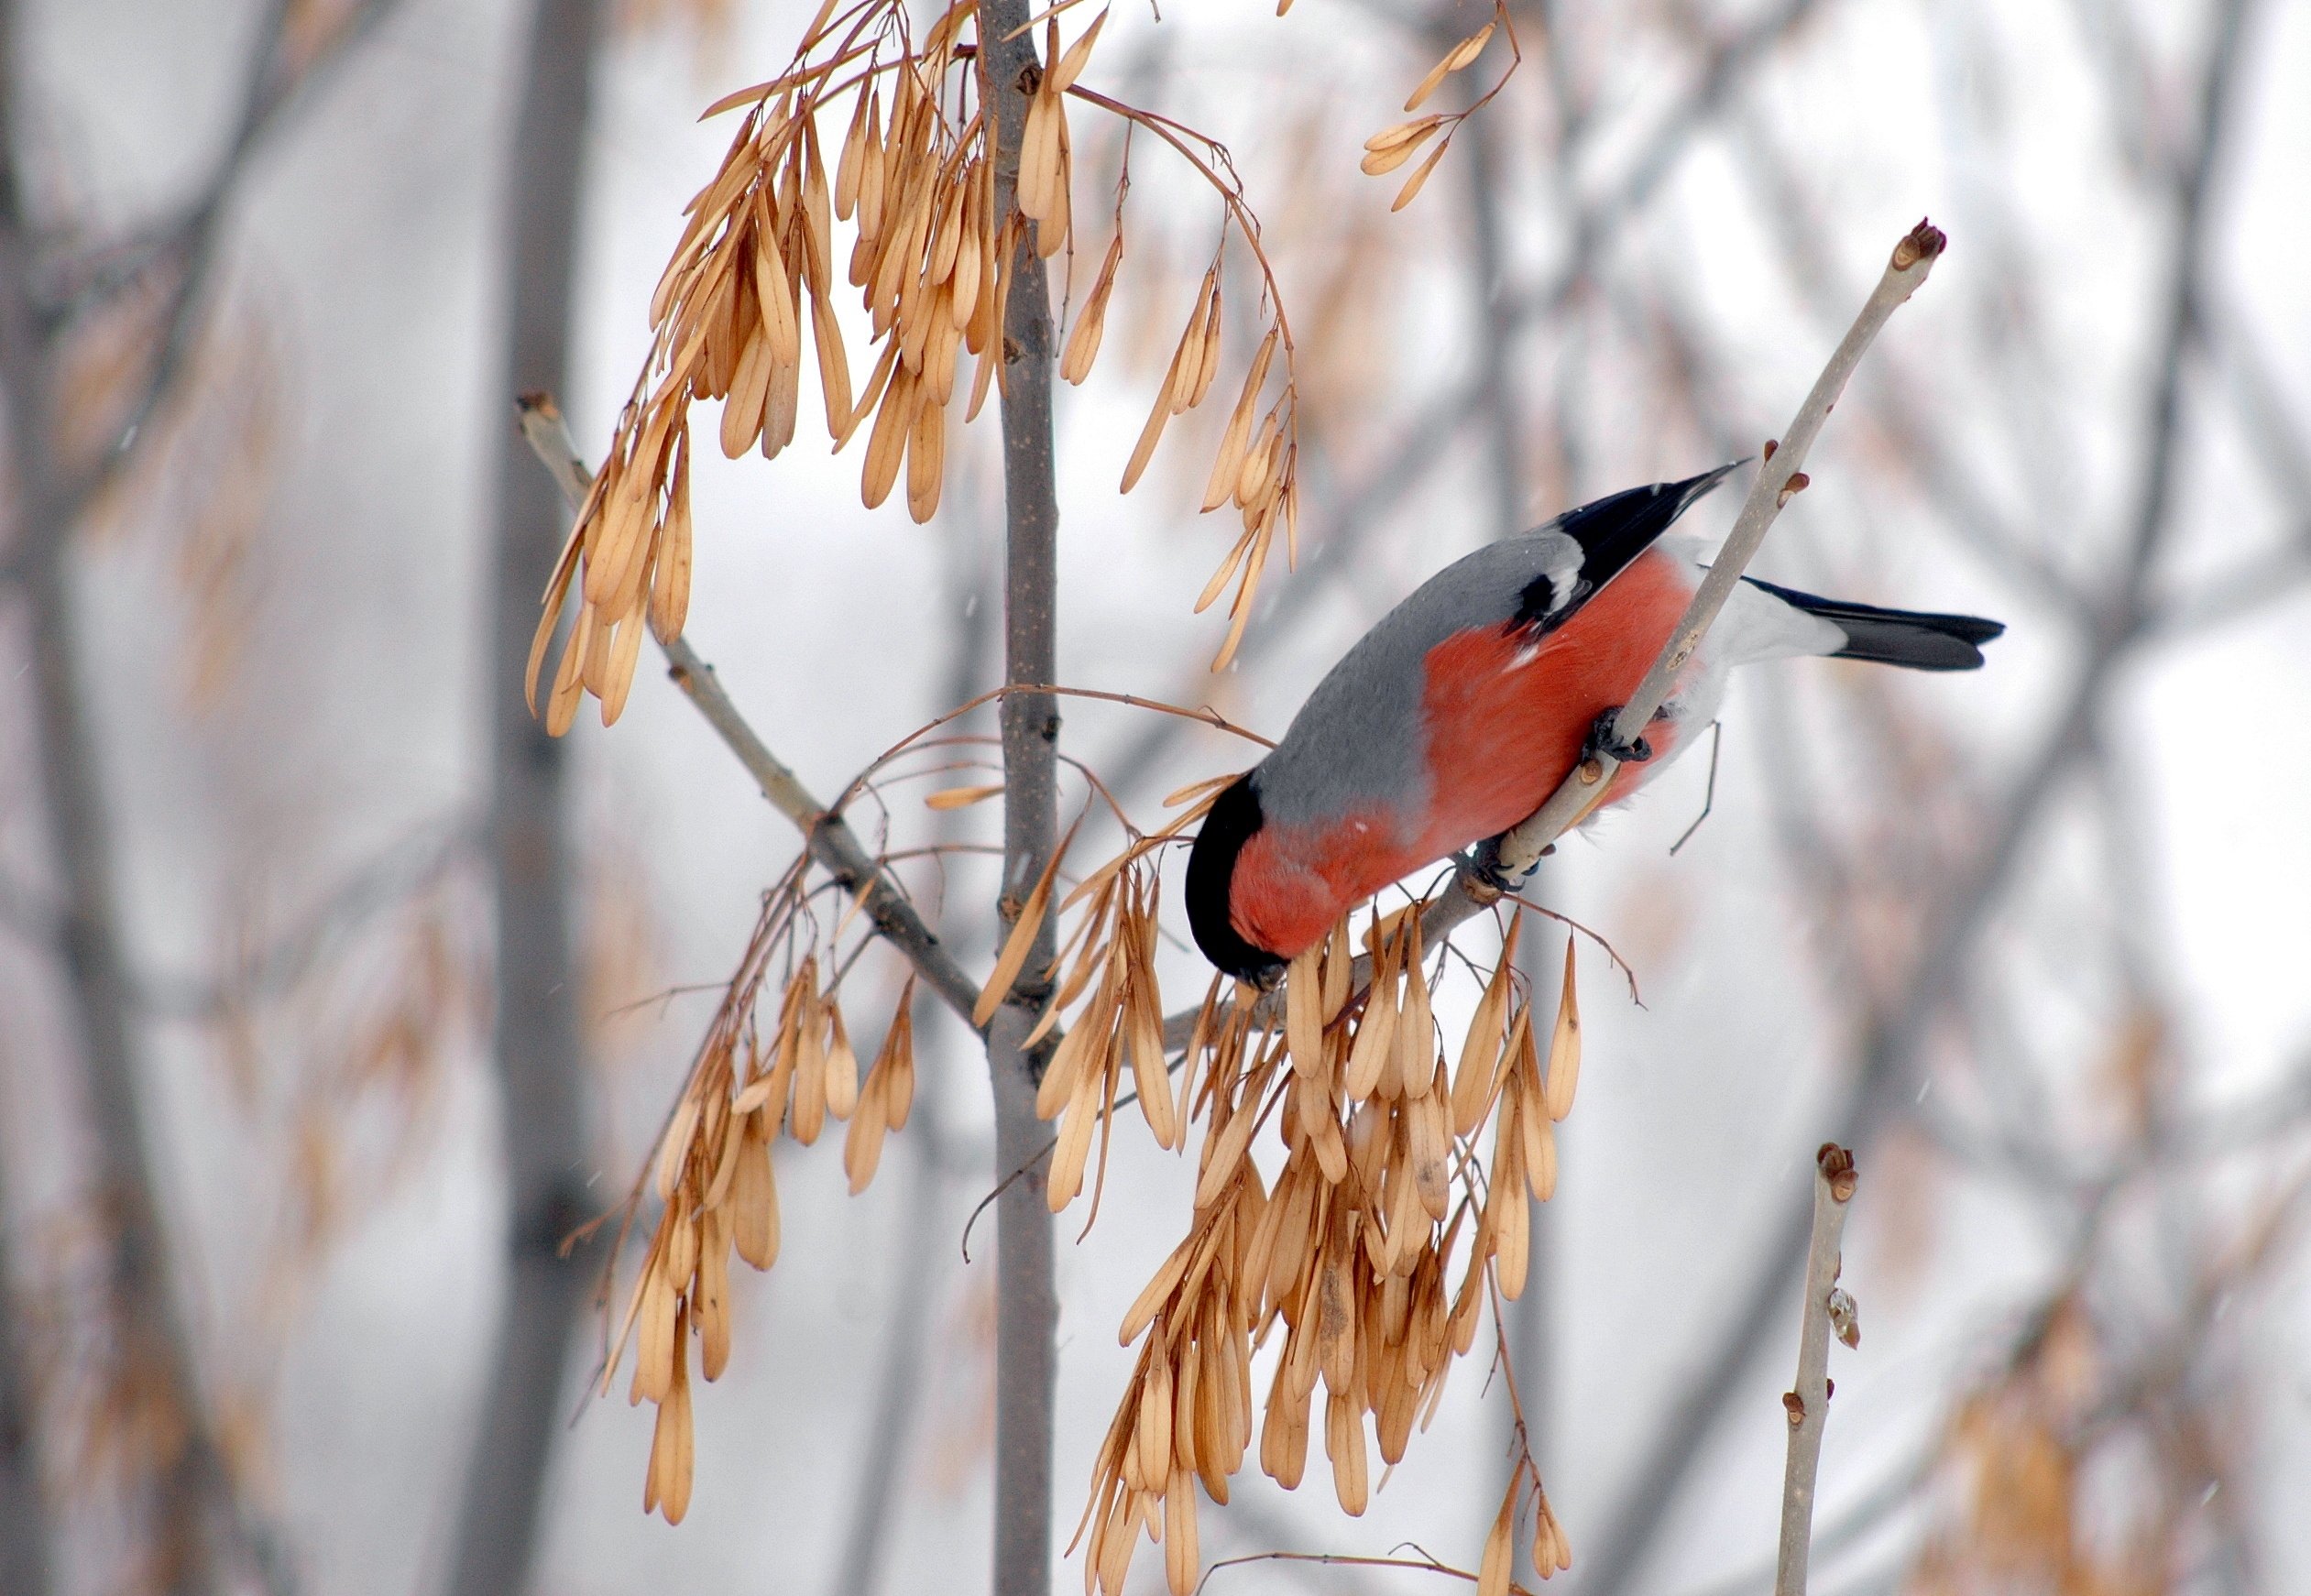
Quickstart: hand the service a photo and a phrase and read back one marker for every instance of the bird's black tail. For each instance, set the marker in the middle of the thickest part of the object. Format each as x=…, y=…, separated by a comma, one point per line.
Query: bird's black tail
x=1898, y=637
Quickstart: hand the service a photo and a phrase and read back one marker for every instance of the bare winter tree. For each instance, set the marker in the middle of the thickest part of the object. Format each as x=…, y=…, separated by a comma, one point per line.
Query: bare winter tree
x=101, y=327
x=543, y=1116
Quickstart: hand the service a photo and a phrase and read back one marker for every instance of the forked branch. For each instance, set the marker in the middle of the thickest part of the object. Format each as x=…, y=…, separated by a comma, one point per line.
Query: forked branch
x=831, y=842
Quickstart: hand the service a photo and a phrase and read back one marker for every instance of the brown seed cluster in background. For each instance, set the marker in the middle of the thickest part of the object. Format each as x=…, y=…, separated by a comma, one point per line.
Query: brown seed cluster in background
x=933, y=262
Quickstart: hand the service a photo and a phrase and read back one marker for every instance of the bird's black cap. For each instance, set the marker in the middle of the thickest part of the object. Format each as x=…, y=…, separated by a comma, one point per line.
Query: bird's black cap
x=1233, y=820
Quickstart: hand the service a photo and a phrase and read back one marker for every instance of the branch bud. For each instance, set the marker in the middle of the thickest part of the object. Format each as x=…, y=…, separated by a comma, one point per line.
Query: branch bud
x=1837, y=1167
x=1924, y=242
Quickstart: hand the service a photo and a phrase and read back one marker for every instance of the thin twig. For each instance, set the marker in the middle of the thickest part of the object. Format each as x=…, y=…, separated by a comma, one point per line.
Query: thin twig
x=1809, y=1403
x=1779, y=477
x=831, y=842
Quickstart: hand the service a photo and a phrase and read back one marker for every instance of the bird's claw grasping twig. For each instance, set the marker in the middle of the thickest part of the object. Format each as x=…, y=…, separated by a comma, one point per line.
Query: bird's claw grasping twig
x=1604, y=741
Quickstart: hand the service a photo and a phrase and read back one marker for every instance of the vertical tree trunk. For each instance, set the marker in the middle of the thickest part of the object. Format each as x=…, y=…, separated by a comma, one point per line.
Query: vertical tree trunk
x=1027, y=1313
x=540, y=1065
x=1504, y=442
x=23, y=1519
x=149, y=1346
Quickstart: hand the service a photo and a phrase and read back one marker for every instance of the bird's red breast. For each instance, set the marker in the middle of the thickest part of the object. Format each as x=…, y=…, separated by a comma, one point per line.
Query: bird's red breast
x=1504, y=717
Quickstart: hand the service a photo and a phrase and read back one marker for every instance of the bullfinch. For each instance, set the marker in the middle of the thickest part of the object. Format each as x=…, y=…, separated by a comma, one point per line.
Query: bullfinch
x=1457, y=715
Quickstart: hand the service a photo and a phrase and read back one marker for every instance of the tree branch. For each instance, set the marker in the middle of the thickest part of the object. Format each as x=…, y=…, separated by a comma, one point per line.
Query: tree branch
x=1809, y=1401
x=832, y=843
x=537, y=1043
x=1891, y=1037
x=1779, y=477
x=1026, y=1296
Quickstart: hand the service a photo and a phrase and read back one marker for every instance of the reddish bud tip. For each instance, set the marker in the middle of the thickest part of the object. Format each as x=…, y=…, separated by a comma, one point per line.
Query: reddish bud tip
x=1837, y=1167
x=1924, y=242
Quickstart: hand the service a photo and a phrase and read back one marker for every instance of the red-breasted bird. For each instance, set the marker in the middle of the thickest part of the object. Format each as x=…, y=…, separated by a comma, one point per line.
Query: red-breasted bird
x=1458, y=714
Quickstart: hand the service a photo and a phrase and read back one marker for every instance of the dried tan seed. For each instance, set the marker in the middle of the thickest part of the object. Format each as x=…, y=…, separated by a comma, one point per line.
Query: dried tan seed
x=1063, y=76
x=1376, y=1034
x=1392, y=147
x=776, y=291
x=834, y=364
x=1551, y=1551
x=1016, y=946
x=1344, y=1444
x=926, y=459
x=886, y=444
x=1480, y=1054
x=782, y=409
x=711, y=1297
x=1091, y=322
x=670, y=579
x=1151, y=1296
x=754, y=1205
x=862, y=1144
x=947, y=798
x=1227, y=466
x=1303, y=1012
x=878, y=380
x=1413, y=185
x=808, y=1115
x=1540, y=1156
x=1415, y=1050
x=742, y=407
x=842, y=1066
x=849, y=165
x=655, y=1334
x=1223, y=1153
x=1152, y=1437
x=1057, y=221
x=1257, y=472
x=1493, y=1573
x=1074, y=1146
x=1458, y=57
x=1564, y=1044
x=1207, y=355
x=1038, y=157
x=1432, y=1150
x=674, y=1148
x=1183, y=1558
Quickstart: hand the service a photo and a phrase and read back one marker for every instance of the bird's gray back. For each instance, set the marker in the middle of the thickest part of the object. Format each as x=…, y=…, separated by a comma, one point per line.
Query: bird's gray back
x=1359, y=740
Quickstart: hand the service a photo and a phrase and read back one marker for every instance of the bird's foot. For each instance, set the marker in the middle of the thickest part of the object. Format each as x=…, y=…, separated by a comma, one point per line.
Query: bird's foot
x=1485, y=870
x=1603, y=740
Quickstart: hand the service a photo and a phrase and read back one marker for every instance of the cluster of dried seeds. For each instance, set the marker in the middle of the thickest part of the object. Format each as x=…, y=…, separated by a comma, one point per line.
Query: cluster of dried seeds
x=1381, y=1201
x=934, y=260
x=1390, y=148
x=712, y=1174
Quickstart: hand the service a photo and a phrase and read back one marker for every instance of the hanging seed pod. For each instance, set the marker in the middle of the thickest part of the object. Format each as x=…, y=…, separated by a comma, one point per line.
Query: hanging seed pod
x=1227, y=466
x=927, y=458
x=1564, y=1044
x=1458, y=57
x=1386, y=150
x=1071, y=64
x=1492, y=1572
x=1413, y=185
x=1083, y=343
